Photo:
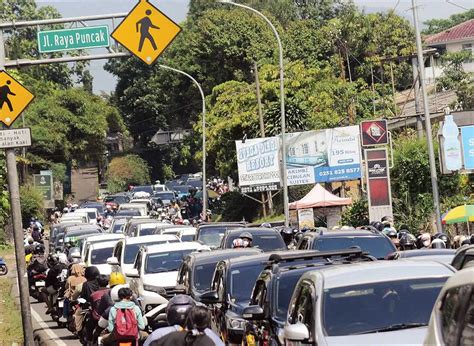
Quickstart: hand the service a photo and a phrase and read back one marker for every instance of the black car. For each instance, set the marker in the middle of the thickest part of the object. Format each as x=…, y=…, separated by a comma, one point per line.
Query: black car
x=197, y=269
x=96, y=205
x=266, y=239
x=371, y=241
x=211, y=234
x=441, y=255
x=230, y=292
x=266, y=314
x=116, y=199
x=56, y=230
x=463, y=256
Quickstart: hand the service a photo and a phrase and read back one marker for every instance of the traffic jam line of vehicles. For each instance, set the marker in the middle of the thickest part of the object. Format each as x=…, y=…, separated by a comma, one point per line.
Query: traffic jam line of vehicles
x=262, y=285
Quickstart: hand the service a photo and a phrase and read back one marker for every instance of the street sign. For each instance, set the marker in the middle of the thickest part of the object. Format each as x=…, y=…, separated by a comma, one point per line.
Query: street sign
x=14, y=98
x=15, y=138
x=72, y=39
x=374, y=132
x=44, y=184
x=146, y=32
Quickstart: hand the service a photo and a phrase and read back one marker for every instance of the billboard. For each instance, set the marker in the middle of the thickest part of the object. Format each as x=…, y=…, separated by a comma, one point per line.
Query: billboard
x=467, y=136
x=374, y=132
x=323, y=155
x=258, y=161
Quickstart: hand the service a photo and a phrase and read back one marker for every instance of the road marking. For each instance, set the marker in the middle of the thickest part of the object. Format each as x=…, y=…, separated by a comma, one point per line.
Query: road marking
x=46, y=329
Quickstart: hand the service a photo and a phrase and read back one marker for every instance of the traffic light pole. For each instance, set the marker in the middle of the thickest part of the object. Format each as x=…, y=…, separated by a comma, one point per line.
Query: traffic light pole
x=14, y=190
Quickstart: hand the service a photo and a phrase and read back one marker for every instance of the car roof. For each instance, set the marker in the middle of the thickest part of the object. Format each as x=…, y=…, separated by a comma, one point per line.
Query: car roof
x=105, y=236
x=103, y=245
x=168, y=225
x=187, y=230
x=86, y=226
x=221, y=224
x=134, y=205
x=175, y=247
x=253, y=230
x=426, y=252
x=81, y=231
x=149, y=238
x=460, y=278
x=257, y=258
x=139, y=221
x=220, y=255
x=349, y=233
x=359, y=273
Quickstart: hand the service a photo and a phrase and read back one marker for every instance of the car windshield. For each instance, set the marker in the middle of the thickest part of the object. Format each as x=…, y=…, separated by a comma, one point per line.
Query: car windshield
x=187, y=237
x=99, y=256
x=165, y=196
x=378, y=247
x=212, y=236
x=118, y=226
x=380, y=306
x=265, y=242
x=182, y=189
x=92, y=215
x=124, y=212
x=285, y=286
x=131, y=250
x=148, y=228
x=165, y=261
x=242, y=280
x=202, y=276
x=147, y=189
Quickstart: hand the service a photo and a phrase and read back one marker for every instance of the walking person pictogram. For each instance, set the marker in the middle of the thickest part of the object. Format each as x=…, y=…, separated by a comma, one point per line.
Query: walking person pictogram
x=4, y=92
x=144, y=25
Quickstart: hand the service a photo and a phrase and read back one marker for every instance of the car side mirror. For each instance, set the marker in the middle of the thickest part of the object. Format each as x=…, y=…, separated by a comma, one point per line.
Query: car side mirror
x=133, y=274
x=113, y=261
x=209, y=297
x=296, y=332
x=253, y=312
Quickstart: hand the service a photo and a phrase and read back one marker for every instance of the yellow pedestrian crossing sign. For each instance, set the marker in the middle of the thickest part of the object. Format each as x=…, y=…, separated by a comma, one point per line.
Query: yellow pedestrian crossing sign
x=146, y=32
x=14, y=98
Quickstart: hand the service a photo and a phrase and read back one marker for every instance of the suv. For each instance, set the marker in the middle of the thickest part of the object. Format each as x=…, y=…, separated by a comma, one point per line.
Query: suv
x=140, y=227
x=365, y=303
x=197, y=269
x=211, y=234
x=452, y=319
x=463, y=256
x=371, y=241
x=271, y=295
x=266, y=239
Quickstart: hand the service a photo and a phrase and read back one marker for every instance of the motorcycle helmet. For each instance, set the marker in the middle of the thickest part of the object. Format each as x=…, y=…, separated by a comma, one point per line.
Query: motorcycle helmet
x=438, y=244
x=378, y=225
x=52, y=260
x=445, y=238
x=178, y=309
x=425, y=240
x=246, y=235
x=287, y=235
x=266, y=225
x=39, y=250
x=298, y=237
x=391, y=233
x=116, y=279
x=114, y=292
x=407, y=242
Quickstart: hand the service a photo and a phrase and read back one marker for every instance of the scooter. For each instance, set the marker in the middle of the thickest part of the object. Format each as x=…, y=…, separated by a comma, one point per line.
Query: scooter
x=39, y=283
x=3, y=267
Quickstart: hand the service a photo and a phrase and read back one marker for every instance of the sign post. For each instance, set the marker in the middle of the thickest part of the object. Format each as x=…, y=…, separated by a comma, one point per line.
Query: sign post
x=44, y=183
x=73, y=39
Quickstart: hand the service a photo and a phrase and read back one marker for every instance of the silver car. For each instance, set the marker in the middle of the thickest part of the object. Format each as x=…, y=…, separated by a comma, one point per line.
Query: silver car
x=386, y=302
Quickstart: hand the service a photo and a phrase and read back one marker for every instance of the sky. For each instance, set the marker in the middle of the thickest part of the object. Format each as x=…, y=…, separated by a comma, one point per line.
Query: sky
x=177, y=9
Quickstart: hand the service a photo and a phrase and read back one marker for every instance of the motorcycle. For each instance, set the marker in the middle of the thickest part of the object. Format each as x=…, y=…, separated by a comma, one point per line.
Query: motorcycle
x=3, y=267
x=38, y=284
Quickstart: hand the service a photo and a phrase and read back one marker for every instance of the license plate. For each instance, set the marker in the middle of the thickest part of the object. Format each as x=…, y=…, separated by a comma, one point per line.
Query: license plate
x=39, y=283
x=61, y=304
x=251, y=340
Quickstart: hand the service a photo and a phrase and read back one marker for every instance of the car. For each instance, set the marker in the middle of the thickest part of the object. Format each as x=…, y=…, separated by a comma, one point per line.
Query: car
x=266, y=239
x=188, y=232
x=463, y=256
x=77, y=217
x=268, y=307
x=128, y=213
x=211, y=234
x=165, y=196
x=71, y=233
x=126, y=250
x=117, y=224
x=57, y=229
x=160, y=187
x=92, y=213
x=197, y=269
x=116, y=199
x=365, y=303
x=97, y=255
x=154, y=273
x=140, y=227
x=452, y=318
x=443, y=255
x=142, y=208
x=104, y=237
x=182, y=190
x=371, y=241
x=143, y=188
x=96, y=205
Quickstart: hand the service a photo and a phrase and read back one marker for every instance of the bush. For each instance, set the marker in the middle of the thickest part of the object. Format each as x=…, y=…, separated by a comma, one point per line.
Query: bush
x=357, y=214
x=237, y=206
x=32, y=204
x=127, y=170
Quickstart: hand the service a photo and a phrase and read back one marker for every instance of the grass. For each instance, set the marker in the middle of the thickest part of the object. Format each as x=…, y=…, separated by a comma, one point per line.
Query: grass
x=11, y=329
x=270, y=218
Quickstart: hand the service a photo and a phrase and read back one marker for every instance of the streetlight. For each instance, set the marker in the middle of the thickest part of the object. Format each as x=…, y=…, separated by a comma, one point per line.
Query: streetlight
x=282, y=101
x=204, y=189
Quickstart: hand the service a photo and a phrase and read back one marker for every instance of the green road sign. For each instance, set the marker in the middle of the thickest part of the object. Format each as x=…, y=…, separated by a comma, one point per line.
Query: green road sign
x=44, y=184
x=72, y=39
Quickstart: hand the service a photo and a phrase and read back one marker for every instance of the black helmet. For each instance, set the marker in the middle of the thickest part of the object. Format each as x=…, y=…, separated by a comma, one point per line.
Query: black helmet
x=406, y=241
x=445, y=238
x=391, y=233
x=438, y=244
x=298, y=236
x=404, y=227
x=402, y=232
x=39, y=250
x=287, y=235
x=379, y=226
x=246, y=235
x=52, y=260
x=178, y=309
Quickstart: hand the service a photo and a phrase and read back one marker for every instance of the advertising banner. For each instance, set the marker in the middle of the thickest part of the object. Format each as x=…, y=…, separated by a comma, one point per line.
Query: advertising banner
x=258, y=161
x=323, y=156
x=374, y=132
x=306, y=218
x=467, y=135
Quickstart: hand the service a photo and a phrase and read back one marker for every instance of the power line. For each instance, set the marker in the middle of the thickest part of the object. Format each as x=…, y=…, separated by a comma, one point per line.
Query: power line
x=457, y=5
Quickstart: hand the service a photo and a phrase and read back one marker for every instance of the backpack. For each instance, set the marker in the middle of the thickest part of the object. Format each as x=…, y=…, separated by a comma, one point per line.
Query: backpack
x=95, y=302
x=126, y=324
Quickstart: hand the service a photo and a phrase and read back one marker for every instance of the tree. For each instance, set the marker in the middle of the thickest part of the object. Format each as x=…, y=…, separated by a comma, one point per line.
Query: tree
x=127, y=170
x=434, y=26
x=32, y=204
x=453, y=72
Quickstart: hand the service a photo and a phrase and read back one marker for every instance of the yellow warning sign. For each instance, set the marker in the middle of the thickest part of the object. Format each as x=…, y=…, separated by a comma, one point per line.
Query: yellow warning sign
x=14, y=98
x=146, y=32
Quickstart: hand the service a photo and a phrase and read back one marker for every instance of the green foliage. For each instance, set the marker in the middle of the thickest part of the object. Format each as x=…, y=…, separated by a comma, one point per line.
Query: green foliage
x=32, y=205
x=357, y=214
x=453, y=72
x=465, y=93
x=433, y=26
x=126, y=170
x=237, y=206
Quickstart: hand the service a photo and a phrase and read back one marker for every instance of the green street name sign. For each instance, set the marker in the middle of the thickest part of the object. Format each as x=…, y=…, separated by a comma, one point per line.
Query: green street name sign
x=73, y=39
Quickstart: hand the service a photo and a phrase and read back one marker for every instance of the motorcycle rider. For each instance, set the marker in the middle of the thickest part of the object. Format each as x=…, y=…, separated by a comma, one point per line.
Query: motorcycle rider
x=102, y=281
x=176, y=314
x=36, y=234
x=75, y=279
x=57, y=263
x=38, y=264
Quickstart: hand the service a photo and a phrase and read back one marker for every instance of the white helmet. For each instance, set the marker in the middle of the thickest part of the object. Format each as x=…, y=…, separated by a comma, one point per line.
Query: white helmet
x=114, y=292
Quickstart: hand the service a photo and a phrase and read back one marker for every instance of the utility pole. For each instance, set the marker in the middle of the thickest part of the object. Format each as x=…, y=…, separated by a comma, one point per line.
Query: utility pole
x=429, y=138
x=14, y=190
x=416, y=79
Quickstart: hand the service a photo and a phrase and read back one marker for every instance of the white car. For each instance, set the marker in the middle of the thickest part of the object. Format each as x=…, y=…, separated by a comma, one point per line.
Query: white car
x=82, y=217
x=97, y=255
x=105, y=237
x=185, y=233
x=155, y=271
x=142, y=208
x=126, y=250
x=452, y=318
x=92, y=213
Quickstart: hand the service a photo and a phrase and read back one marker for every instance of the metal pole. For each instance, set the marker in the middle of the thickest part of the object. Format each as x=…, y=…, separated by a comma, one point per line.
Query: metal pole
x=26, y=62
x=419, y=123
x=204, y=179
x=14, y=189
x=429, y=138
x=282, y=106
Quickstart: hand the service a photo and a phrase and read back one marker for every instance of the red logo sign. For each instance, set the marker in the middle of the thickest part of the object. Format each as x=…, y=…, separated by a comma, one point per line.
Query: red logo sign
x=373, y=132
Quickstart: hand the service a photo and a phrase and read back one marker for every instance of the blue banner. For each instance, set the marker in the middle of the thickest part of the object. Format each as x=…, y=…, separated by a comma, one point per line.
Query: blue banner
x=327, y=174
x=467, y=135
